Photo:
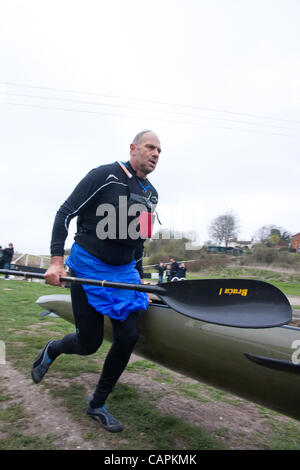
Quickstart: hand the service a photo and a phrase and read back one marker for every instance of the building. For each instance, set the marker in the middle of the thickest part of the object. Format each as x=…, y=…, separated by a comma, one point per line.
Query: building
x=243, y=244
x=224, y=249
x=296, y=242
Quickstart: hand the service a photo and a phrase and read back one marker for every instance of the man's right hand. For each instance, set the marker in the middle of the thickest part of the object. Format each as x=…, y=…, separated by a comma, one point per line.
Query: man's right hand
x=55, y=272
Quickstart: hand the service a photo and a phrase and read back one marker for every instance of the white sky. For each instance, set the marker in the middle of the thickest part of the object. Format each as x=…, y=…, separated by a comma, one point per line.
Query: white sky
x=217, y=80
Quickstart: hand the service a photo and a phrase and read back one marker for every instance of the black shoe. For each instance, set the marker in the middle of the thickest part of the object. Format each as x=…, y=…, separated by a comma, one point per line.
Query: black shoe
x=105, y=418
x=41, y=364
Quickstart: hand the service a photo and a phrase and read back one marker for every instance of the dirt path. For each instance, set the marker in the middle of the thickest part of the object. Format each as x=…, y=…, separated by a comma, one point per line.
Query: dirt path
x=294, y=299
x=266, y=267
x=243, y=426
x=47, y=415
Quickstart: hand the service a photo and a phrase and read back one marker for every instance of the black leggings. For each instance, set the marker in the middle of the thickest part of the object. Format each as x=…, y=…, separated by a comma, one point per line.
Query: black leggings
x=89, y=336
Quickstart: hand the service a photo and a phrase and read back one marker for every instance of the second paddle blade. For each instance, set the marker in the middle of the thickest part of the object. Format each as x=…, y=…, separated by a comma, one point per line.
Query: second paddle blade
x=241, y=303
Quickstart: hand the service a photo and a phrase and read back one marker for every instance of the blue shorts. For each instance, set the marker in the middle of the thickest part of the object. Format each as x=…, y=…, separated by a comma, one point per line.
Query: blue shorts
x=115, y=303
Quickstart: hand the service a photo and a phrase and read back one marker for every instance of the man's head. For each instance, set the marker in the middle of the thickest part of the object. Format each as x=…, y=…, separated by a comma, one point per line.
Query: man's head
x=144, y=153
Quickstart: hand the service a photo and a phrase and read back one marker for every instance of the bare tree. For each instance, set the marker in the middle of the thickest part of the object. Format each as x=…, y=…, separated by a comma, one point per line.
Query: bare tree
x=224, y=228
x=262, y=235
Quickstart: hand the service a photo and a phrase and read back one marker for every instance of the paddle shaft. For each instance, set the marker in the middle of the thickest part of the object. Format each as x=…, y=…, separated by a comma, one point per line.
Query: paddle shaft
x=147, y=288
x=240, y=303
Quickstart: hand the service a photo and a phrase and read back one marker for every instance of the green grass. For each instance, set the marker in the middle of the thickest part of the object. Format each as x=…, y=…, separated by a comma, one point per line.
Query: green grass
x=289, y=284
x=142, y=365
x=278, y=439
x=16, y=440
x=288, y=288
x=25, y=332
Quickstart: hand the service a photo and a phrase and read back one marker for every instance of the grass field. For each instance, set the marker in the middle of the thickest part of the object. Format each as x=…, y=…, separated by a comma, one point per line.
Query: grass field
x=136, y=399
x=288, y=283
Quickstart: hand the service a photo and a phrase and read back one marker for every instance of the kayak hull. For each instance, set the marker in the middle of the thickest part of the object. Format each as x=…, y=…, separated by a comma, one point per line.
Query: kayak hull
x=260, y=365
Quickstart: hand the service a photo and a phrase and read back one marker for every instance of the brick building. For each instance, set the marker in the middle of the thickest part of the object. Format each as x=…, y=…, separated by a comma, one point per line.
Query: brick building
x=296, y=242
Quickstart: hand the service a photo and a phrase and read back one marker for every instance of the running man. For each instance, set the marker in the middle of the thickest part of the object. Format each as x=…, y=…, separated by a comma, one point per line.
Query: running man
x=114, y=205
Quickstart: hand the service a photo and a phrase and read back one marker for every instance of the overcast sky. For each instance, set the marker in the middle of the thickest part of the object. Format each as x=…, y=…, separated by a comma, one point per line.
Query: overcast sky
x=217, y=80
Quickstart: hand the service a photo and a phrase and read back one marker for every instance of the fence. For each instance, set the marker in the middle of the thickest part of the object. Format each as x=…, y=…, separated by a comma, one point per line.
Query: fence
x=31, y=260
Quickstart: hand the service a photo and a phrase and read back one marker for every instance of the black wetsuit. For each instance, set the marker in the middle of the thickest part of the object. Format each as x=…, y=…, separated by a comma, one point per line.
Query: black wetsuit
x=174, y=269
x=103, y=185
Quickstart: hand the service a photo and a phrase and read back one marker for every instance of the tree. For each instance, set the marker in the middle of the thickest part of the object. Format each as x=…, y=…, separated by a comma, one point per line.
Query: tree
x=262, y=234
x=272, y=235
x=224, y=228
x=165, y=244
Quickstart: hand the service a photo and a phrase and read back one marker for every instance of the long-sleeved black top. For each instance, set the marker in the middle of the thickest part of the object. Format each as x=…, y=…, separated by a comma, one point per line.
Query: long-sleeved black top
x=7, y=254
x=102, y=230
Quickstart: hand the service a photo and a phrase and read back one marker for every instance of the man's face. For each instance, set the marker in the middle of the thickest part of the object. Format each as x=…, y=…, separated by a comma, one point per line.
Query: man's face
x=145, y=154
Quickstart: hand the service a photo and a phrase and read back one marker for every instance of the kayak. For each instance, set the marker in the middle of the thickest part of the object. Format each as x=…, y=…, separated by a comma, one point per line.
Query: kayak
x=259, y=365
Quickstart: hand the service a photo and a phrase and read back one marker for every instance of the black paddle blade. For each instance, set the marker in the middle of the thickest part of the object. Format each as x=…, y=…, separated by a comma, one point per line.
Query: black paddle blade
x=240, y=303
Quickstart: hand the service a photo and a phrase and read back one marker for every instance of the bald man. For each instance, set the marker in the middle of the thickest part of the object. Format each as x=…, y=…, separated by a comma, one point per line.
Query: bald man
x=114, y=205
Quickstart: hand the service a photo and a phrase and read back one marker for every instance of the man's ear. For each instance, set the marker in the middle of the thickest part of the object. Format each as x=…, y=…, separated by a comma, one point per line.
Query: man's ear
x=132, y=150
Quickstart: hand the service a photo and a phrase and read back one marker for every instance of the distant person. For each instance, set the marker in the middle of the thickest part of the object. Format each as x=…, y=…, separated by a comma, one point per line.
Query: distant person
x=181, y=273
x=1, y=257
x=174, y=268
x=7, y=255
x=168, y=273
x=161, y=269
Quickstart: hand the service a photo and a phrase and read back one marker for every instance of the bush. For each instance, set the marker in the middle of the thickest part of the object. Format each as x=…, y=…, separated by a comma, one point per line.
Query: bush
x=272, y=256
x=159, y=257
x=264, y=255
x=209, y=262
